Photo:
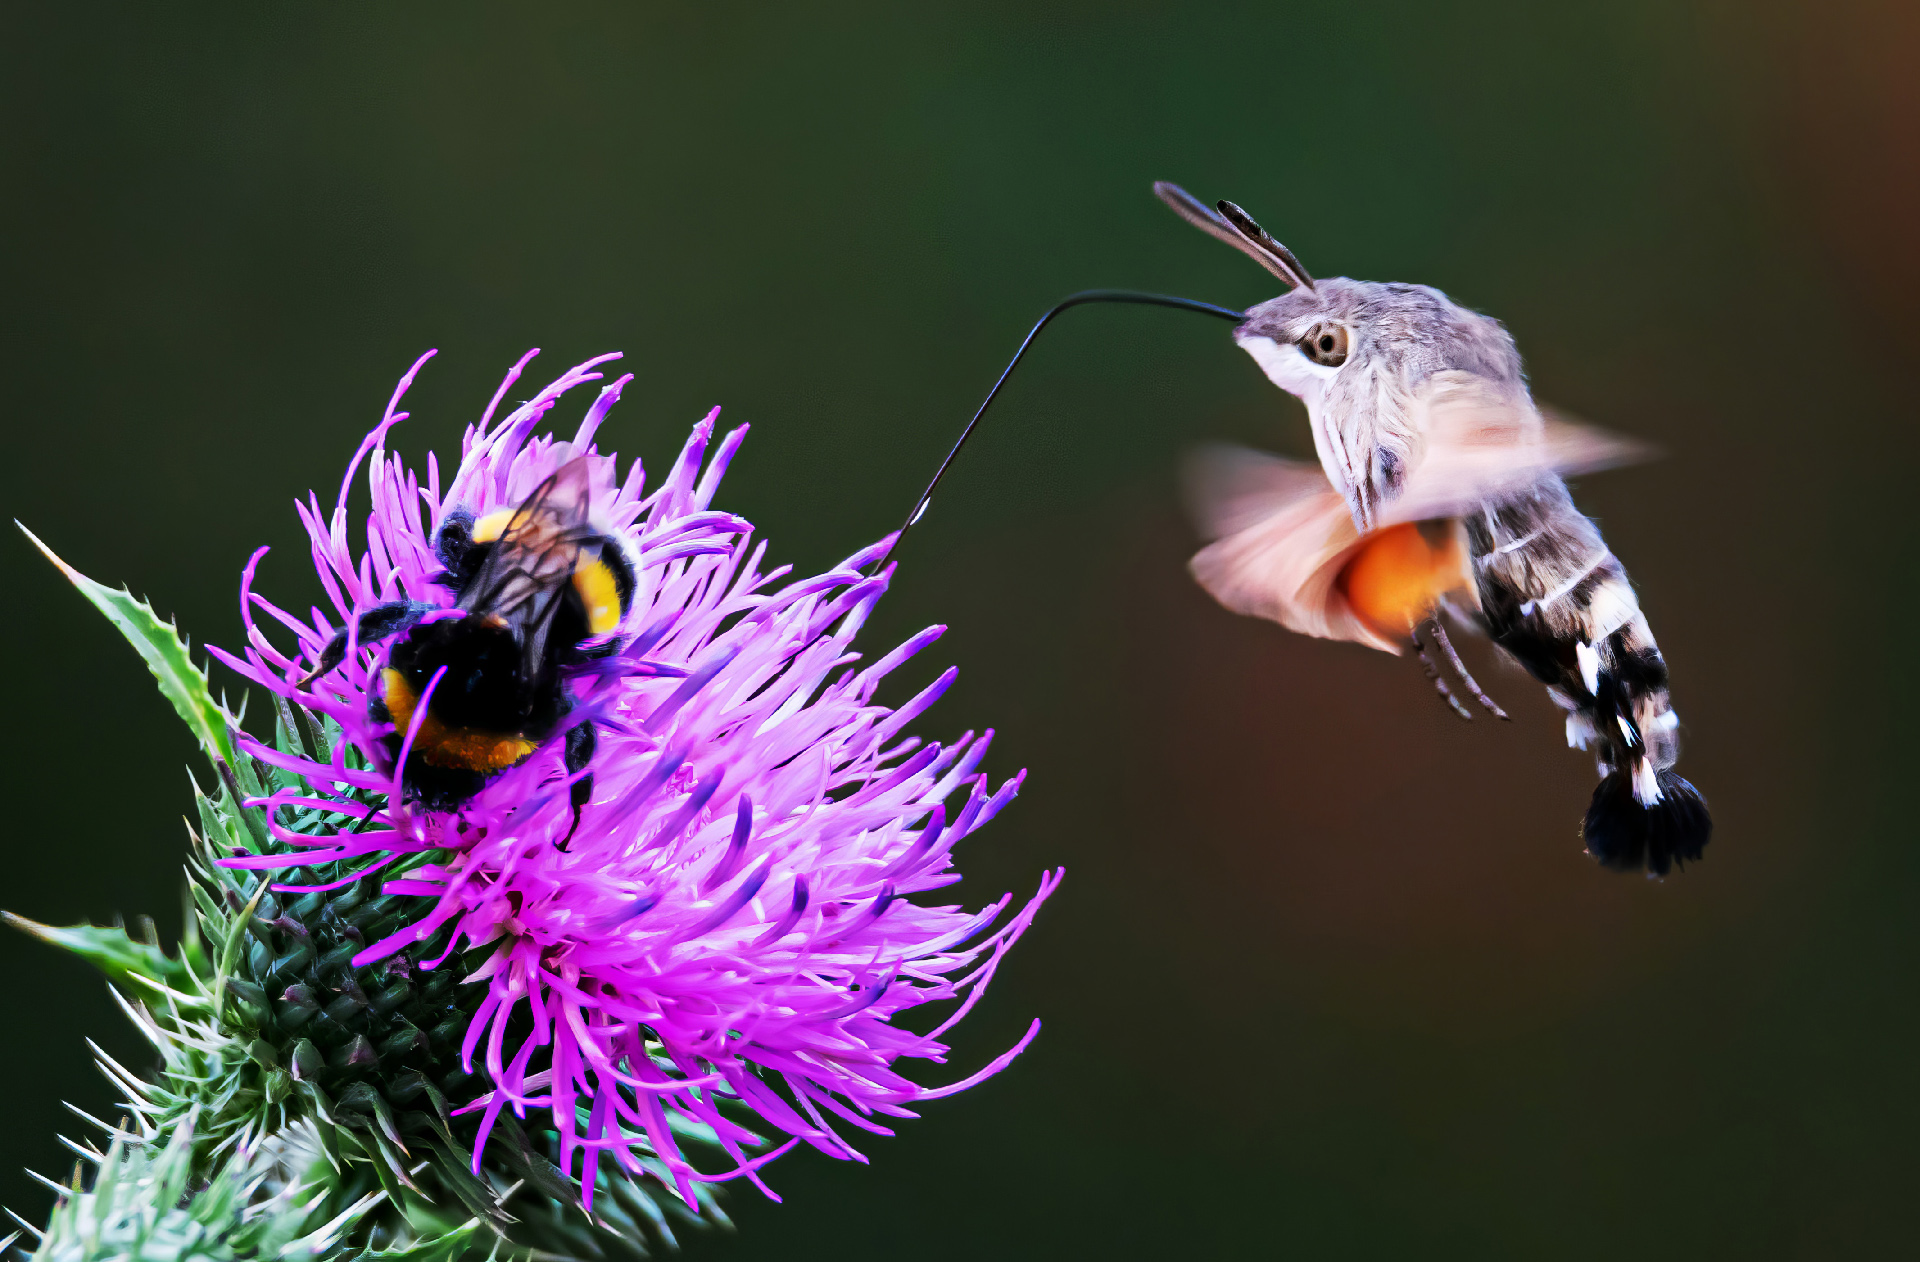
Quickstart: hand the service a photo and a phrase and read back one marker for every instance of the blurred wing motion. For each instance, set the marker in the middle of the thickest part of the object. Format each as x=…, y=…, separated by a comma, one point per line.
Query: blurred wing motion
x=1281, y=537
x=1478, y=445
x=1283, y=546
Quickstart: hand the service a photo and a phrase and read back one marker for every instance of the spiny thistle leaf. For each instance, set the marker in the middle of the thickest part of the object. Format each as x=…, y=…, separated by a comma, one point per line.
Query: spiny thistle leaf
x=133, y=965
x=441, y=1248
x=160, y=646
x=260, y=1204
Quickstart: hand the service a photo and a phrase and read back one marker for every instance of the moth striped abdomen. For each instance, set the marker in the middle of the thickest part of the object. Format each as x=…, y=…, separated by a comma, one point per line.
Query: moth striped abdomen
x=1555, y=597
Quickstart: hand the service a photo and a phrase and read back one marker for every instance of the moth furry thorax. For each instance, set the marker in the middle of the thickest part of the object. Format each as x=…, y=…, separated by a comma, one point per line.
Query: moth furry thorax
x=1404, y=345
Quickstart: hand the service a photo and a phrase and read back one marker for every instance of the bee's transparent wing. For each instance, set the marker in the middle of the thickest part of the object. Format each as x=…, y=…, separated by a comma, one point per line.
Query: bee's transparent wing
x=525, y=576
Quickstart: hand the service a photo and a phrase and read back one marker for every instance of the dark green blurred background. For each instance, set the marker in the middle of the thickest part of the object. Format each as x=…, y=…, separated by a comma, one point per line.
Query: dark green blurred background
x=1329, y=976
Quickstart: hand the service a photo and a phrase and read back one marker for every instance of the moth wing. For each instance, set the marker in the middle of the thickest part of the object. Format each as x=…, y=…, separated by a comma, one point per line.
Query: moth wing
x=1479, y=443
x=1280, y=535
x=1228, y=489
x=1574, y=446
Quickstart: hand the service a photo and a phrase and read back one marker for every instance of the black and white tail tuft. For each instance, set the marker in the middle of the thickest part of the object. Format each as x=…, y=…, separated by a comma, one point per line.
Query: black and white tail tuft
x=1554, y=597
x=1627, y=836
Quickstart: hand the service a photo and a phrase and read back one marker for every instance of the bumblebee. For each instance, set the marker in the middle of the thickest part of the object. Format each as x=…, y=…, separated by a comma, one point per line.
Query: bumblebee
x=539, y=592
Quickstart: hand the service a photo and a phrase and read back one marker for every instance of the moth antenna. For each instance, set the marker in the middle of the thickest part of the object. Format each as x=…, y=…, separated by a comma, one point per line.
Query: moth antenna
x=1439, y=682
x=1460, y=669
x=1235, y=227
x=1072, y=300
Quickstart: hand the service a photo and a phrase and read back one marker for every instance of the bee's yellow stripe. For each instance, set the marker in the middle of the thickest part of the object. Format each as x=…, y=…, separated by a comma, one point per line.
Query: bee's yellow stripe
x=599, y=594
x=442, y=745
x=493, y=525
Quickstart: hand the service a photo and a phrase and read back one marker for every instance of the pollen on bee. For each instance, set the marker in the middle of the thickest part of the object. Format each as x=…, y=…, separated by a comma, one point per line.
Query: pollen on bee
x=443, y=745
x=1400, y=573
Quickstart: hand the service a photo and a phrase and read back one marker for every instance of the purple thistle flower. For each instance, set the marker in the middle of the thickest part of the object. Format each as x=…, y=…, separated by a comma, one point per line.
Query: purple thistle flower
x=733, y=919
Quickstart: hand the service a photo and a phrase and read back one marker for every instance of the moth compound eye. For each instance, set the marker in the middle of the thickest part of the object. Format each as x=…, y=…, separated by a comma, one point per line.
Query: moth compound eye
x=1325, y=344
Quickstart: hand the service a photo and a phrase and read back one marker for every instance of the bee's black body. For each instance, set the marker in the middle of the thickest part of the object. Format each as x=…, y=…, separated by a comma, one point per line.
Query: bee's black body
x=533, y=586
x=482, y=689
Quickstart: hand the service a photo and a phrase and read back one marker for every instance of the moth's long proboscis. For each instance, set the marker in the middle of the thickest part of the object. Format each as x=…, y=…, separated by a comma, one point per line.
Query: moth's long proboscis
x=1082, y=298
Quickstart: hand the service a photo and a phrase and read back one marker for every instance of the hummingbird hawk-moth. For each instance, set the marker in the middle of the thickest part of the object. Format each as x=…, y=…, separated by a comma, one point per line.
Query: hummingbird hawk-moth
x=1439, y=491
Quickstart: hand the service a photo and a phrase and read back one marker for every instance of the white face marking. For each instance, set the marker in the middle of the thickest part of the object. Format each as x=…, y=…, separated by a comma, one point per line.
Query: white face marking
x=1299, y=376
x=1287, y=368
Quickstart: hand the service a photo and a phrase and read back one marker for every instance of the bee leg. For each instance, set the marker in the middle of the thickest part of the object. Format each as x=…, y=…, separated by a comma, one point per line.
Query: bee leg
x=366, y=817
x=331, y=656
x=376, y=624
x=1460, y=669
x=1433, y=673
x=580, y=745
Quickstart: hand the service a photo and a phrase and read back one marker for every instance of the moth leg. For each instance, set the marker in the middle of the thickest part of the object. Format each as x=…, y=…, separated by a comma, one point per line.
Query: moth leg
x=1433, y=673
x=376, y=624
x=1460, y=669
x=580, y=746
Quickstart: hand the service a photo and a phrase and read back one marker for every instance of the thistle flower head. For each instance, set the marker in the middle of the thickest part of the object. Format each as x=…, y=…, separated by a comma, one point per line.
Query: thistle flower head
x=734, y=919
